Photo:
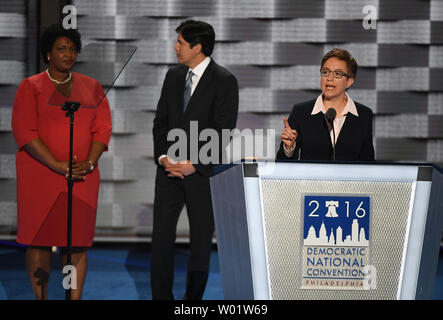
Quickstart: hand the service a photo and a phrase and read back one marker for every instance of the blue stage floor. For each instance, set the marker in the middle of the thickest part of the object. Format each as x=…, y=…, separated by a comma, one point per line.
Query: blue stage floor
x=117, y=272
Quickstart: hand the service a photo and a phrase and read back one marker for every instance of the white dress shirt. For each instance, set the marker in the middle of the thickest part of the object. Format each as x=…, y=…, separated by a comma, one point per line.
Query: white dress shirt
x=198, y=73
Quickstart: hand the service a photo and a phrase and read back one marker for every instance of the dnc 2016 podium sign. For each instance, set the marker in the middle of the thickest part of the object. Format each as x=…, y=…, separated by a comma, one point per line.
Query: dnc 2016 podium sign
x=328, y=230
x=336, y=238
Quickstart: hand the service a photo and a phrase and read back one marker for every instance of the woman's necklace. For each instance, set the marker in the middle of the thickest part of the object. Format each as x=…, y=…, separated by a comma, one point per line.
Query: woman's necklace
x=56, y=81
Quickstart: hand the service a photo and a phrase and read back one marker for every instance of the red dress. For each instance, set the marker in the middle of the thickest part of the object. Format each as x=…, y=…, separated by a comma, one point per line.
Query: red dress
x=41, y=192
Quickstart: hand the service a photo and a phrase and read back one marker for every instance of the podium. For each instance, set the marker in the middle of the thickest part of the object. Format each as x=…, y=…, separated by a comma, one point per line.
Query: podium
x=306, y=230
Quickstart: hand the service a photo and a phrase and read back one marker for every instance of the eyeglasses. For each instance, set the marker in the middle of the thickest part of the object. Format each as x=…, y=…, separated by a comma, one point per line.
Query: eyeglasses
x=336, y=74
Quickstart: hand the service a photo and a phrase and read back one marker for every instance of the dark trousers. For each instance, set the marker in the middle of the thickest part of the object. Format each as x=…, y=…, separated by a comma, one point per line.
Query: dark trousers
x=170, y=196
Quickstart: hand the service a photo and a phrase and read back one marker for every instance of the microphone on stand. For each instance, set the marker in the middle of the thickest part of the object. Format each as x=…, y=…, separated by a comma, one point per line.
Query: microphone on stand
x=330, y=117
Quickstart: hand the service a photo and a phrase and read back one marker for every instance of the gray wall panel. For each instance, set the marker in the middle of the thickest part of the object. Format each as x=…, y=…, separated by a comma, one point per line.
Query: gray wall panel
x=132, y=75
x=139, y=98
x=402, y=125
x=98, y=7
x=436, y=79
x=246, y=53
x=7, y=95
x=348, y=31
x=16, y=6
x=8, y=189
x=297, y=53
x=366, y=97
x=5, y=119
x=397, y=55
x=12, y=25
x=7, y=166
x=120, y=27
x=12, y=72
x=284, y=98
x=298, y=77
x=7, y=143
x=251, y=76
x=299, y=30
x=183, y=8
x=12, y=49
x=398, y=149
x=436, y=57
x=245, y=8
x=156, y=51
x=142, y=8
x=298, y=9
x=132, y=146
x=347, y=9
x=435, y=126
x=435, y=103
x=8, y=217
x=127, y=121
x=403, y=79
x=272, y=101
x=121, y=168
x=436, y=10
x=404, y=102
x=366, y=79
x=435, y=151
x=404, y=9
x=240, y=29
x=255, y=100
x=437, y=32
x=404, y=31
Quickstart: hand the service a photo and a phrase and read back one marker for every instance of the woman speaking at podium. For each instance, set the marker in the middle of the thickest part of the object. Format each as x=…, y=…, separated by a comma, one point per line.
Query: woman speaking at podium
x=333, y=126
x=41, y=131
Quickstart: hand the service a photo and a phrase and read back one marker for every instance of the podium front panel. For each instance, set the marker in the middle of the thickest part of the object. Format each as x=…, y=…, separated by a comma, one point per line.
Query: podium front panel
x=329, y=275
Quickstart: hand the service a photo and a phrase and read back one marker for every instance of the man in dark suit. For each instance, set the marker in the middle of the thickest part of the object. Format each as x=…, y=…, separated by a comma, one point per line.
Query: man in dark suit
x=196, y=92
x=307, y=134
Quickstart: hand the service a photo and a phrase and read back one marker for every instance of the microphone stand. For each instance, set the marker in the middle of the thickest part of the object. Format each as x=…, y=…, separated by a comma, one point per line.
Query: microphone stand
x=330, y=122
x=330, y=115
x=333, y=144
x=70, y=107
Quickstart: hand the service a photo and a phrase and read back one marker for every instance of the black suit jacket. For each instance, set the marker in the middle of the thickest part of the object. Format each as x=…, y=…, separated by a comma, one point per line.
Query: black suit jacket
x=214, y=104
x=313, y=140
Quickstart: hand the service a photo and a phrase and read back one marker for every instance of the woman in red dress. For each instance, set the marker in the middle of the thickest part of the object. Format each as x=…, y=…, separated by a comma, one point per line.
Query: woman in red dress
x=41, y=131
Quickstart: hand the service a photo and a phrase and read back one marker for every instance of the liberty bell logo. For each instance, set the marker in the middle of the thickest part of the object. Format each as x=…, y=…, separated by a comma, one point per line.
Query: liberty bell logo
x=332, y=209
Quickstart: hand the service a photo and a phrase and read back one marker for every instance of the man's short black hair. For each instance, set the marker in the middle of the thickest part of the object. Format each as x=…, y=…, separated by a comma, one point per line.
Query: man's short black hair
x=51, y=34
x=198, y=32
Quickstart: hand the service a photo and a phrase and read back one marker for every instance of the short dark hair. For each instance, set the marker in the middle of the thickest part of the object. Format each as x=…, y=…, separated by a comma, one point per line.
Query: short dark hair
x=345, y=56
x=52, y=33
x=198, y=32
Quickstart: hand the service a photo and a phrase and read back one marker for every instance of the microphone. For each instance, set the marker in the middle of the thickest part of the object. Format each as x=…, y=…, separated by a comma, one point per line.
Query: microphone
x=330, y=115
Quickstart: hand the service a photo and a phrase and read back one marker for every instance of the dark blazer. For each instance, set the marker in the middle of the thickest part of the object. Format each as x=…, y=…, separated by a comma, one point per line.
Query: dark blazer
x=313, y=140
x=214, y=104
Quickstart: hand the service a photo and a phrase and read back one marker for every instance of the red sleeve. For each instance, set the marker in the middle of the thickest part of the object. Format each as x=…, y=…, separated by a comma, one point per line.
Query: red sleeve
x=102, y=126
x=24, y=115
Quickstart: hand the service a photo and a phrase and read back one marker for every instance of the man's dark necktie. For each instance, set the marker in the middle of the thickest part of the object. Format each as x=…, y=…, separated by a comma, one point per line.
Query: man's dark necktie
x=188, y=89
